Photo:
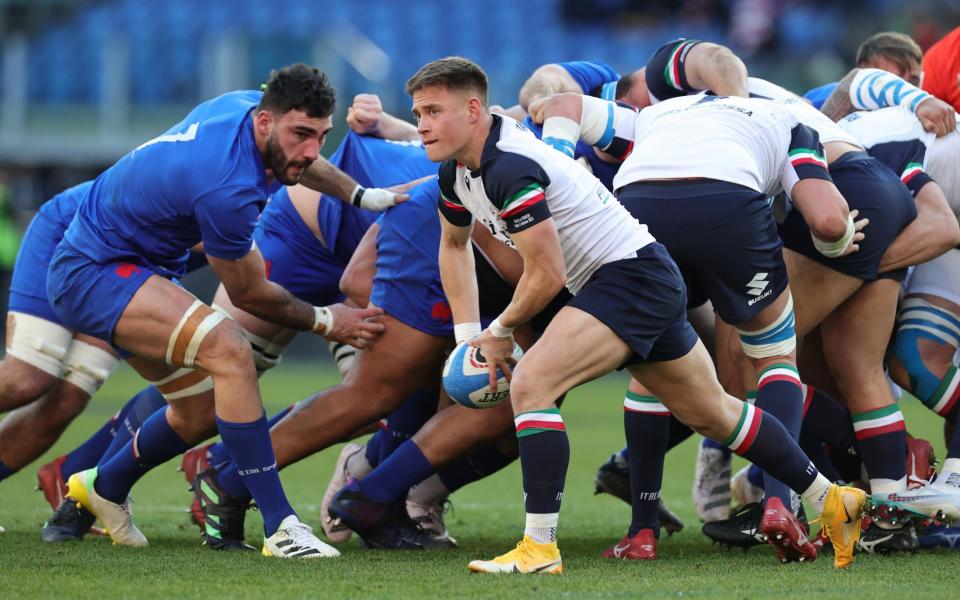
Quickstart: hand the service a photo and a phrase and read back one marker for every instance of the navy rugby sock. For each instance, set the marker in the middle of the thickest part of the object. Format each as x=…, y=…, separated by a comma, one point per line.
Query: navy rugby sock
x=779, y=394
x=482, y=463
x=646, y=423
x=5, y=471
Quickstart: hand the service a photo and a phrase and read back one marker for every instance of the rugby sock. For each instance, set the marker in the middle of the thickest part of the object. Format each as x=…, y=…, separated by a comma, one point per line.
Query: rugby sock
x=708, y=443
x=147, y=401
x=378, y=439
x=825, y=419
x=779, y=394
x=87, y=454
x=646, y=423
x=943, y=401
x=817, y=452
x=755, y=476
x=217, y=454
x=480, y=464
x=679, y=433
x=762, y=439
x=5, y=471
x=882, y=444
x=249, y=445
x=544, y=456
x=406, y=420
x=154, y=443
x=404, y=468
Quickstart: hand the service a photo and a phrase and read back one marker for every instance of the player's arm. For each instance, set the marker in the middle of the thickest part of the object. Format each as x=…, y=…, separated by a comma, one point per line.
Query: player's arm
x=227, y=217
x=367, y=117
x=328, y=179
x=872, y=89
x=569, y=118
x=933, y=232
x=716, y=68
x=455, y=258
x=806, y=180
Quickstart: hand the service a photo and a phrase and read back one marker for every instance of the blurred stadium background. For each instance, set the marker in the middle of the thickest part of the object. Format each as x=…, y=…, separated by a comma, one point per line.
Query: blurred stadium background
x=83, y=81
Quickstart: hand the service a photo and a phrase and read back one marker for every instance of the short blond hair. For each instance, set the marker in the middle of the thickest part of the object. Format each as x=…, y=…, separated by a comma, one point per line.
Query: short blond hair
x=897, y=47
x=454, y=73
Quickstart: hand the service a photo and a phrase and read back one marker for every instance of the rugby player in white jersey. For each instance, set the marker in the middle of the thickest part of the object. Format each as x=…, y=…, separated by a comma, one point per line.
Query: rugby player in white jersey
x=627, y=310
x=928, y=326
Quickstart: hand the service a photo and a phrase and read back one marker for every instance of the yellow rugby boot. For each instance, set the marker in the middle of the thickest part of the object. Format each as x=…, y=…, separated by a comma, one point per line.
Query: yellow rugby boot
x=843, y=509
x=528, y=557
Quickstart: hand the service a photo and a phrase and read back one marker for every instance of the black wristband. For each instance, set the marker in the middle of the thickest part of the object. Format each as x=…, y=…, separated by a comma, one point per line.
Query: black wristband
x=358, y=194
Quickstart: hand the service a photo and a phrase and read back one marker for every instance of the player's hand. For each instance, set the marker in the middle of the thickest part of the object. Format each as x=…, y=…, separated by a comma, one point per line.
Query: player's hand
x=937, y=116
x=380, y=199
x=537, y=110
x=365, y=114
x=858, y=225
x=498, y=353
x=358, y=327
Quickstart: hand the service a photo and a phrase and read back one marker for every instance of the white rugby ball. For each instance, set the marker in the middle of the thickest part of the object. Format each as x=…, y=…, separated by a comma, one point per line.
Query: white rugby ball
x=467, y=379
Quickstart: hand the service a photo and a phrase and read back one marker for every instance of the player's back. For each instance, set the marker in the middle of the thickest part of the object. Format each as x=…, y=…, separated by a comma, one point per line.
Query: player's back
x=61, y=208
x=805, y=113
x=740, y=140
x=145, y=206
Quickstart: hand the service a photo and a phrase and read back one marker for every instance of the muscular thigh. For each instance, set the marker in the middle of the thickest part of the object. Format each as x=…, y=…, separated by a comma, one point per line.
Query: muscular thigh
x=145, y=326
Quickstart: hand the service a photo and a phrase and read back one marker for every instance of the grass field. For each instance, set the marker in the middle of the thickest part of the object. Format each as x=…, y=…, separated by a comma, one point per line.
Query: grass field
x=487, y=520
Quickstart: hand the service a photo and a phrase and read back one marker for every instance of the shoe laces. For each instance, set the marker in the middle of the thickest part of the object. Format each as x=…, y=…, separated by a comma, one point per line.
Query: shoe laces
x=302, y=535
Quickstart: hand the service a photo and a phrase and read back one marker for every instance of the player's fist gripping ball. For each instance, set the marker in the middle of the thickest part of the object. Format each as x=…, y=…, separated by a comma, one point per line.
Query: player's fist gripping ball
x=467, y=379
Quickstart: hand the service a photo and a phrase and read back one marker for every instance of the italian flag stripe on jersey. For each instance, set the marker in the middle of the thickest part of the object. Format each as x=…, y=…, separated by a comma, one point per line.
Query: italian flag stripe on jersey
x=451, y=205
x=538, y=421
x=672, y=71
x=644, y=404
x=945, y=398
x=877, y=422
x=806, y=156
x=910, y=172
x=779, y=372
x=523, y=199
x=746, y=430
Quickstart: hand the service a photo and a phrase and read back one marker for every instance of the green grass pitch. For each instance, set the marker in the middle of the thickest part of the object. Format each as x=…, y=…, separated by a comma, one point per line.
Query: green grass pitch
x=487, y=520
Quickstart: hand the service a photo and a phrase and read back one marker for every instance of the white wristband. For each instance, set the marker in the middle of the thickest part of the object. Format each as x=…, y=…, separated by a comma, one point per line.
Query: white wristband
x=377, y=199
x=837, y=248
x=466, y=331
x=322, y=320
x=499, y=331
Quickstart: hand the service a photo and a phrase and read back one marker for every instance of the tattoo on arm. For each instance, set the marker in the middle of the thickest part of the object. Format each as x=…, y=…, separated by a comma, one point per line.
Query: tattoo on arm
x=838, y=105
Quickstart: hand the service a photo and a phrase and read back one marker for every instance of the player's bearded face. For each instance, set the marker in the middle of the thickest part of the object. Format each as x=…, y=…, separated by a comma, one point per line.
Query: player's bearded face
x=286, y=170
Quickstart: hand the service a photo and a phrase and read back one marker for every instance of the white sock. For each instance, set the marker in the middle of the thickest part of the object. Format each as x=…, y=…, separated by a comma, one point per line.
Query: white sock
x=816, y=494
x=542, y=527
x=949, y=475
x=429, y=491
x=885, y=487
x=357, y=465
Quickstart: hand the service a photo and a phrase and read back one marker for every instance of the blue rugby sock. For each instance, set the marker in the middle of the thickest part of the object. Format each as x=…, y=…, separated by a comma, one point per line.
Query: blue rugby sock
x=155, y=443
x=708, y=443
x=146, y=402
x=405, y=421
x=250, y=446
x=480, y=464
x=87, y=454
x=217, y=453
x=5, y=471
x=404, y=468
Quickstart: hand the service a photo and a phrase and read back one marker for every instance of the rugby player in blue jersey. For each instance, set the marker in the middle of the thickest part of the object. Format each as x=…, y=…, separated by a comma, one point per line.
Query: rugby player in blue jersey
x=205, y=181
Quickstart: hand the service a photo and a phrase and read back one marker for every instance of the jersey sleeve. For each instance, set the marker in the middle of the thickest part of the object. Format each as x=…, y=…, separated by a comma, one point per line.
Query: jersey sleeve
x=906, y=158
x=450, y=205
x=227, y=218
x=592, y=76
x=805, y=158
x=665, y=74
x=516, y=185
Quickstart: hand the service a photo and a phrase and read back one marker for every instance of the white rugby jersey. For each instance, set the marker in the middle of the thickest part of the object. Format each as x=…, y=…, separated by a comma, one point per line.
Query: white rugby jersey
x=804, y=111
x=896, y=137
x=750, y=142
x=522, y=181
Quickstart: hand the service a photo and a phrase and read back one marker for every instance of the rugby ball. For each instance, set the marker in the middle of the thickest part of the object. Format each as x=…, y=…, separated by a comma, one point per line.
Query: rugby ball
x=467, y=380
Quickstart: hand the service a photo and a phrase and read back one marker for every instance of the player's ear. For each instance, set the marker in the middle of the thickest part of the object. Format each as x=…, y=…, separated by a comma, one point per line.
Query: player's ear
x=264, y=121
x=475, y=108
